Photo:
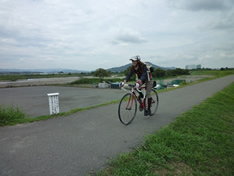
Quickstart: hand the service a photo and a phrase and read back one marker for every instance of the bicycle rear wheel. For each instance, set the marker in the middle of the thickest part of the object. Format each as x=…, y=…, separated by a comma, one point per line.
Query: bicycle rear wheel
x=154, y=102
x=127, y=109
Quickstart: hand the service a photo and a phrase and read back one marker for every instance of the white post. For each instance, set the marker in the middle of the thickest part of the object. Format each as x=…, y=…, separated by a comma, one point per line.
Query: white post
x=53, y=103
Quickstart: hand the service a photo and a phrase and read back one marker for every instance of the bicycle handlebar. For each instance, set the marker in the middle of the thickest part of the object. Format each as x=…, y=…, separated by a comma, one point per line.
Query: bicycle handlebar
x=131, y=86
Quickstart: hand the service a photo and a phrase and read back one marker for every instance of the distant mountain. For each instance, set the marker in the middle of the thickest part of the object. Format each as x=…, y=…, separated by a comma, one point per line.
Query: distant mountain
x=53, y=70
x=123, y=68
x=62, y=70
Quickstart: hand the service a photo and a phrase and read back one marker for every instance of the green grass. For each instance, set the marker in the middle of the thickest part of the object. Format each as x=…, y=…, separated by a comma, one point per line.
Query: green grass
x=35, y=76
x=9, y=114
x=216, y=73
x=199, y=142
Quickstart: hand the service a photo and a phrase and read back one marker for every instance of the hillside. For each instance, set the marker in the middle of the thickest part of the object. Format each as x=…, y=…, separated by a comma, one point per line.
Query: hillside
x=62, y=70
x=123, y=68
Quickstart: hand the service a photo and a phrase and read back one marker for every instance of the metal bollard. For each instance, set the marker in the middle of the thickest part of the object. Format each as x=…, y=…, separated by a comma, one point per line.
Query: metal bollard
x=53, y=103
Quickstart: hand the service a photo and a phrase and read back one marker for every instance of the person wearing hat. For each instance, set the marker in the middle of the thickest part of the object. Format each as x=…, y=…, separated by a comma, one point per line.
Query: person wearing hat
x=140, y=69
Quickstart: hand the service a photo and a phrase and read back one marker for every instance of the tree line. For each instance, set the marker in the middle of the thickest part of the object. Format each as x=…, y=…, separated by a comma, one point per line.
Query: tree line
x=158, y=73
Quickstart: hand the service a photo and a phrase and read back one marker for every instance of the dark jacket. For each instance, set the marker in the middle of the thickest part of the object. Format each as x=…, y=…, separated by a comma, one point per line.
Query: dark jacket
x=142, y=75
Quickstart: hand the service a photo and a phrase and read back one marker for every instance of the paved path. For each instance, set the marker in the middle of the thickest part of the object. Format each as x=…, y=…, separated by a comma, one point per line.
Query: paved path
x=85, y=141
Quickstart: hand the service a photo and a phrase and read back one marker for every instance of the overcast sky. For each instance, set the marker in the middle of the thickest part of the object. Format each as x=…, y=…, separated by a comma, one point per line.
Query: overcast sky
x=91, y=34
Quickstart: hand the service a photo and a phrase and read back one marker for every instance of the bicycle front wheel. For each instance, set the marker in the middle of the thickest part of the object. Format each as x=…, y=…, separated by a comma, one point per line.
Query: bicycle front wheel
x=127, y=109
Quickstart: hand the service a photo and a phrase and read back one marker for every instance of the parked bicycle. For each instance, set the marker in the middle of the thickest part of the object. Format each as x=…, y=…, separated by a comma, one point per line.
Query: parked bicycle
x=128, y=104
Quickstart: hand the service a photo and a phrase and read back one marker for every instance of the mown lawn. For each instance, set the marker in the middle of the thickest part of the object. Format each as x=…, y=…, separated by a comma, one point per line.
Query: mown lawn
x=199, y=142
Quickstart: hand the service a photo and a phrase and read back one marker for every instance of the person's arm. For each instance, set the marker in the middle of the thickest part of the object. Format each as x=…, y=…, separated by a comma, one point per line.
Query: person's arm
x=128, y=76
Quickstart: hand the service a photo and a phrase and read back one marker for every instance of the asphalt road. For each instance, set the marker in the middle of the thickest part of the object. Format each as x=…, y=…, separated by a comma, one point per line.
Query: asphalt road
x=34, y=100
x=83, y=142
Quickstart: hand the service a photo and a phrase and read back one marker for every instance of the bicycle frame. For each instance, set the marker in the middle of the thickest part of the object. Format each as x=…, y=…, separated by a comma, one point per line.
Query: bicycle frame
x=128, y=104
x=133, y=94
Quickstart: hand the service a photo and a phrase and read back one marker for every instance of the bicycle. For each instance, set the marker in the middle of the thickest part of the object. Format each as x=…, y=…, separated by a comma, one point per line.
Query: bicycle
x=128, y=104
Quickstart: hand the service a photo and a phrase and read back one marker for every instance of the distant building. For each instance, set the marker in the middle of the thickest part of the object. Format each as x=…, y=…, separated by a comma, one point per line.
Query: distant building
x=190, y=67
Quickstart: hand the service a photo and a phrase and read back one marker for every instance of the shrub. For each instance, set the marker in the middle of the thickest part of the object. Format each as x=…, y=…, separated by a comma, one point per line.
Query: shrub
x=10, y=114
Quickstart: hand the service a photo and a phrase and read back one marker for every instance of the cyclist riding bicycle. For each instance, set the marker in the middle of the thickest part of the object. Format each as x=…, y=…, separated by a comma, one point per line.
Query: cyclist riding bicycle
x=143, y=76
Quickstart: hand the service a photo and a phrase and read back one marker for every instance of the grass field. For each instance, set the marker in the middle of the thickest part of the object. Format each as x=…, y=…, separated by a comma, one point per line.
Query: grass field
x=199, y=142
x=216, y=73
x=35, y=76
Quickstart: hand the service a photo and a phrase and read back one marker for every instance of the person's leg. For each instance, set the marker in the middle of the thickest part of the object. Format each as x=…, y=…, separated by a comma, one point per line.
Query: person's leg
x=149, y=85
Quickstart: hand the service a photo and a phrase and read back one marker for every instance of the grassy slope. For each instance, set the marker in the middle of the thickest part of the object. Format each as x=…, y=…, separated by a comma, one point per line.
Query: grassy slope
x=199, y=142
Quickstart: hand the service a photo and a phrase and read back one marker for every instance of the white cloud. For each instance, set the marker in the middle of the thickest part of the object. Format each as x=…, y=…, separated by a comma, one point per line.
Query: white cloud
x=128, y=36
x=73, y=33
